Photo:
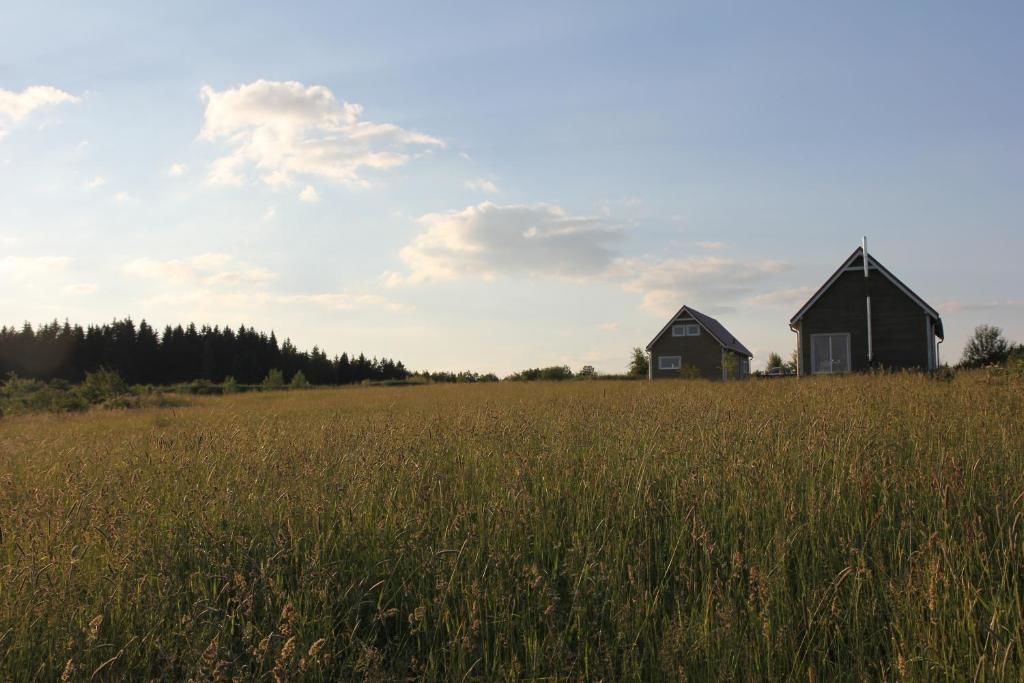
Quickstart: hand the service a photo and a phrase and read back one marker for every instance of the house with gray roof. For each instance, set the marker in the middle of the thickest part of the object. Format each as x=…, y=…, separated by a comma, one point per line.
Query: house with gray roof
x=864, y=317
x=692, y=344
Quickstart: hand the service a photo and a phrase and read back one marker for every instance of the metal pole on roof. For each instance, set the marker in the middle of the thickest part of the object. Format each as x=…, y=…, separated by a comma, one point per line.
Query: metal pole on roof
x=867, y=294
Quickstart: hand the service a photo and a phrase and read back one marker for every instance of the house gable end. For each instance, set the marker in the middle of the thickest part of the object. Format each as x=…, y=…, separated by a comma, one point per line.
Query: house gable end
x=711, y=326
x=685, y=310
x=855, y=261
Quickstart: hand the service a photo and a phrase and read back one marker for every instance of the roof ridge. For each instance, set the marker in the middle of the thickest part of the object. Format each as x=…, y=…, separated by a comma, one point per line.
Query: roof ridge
x=717, y=330
x=871, y=260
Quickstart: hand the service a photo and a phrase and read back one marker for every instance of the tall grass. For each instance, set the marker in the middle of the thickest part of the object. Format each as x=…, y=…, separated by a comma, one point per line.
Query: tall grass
x=859, y=528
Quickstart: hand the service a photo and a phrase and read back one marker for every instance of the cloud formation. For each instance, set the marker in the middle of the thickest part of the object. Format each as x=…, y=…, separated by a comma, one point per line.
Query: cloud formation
x=666, y=284
x=19, y=269
x=176, y=170
x=18, y=105
x=216, y=280
x=206, y=269
x=487, y=240
x=793, y=296
x=961, y=306
x=482, y=185
x=280, y=131
x=81, y=288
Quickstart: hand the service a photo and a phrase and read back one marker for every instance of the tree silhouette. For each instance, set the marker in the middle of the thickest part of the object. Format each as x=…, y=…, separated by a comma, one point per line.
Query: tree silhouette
x=987, y=345
x=179, y=354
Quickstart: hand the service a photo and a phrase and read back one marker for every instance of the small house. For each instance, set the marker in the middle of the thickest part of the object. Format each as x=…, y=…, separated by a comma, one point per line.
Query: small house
x=696, y=345
x=865, y=317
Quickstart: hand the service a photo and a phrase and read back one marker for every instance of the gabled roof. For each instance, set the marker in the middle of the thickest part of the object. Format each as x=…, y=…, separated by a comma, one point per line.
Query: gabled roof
x=711, y=326
x=873, y=264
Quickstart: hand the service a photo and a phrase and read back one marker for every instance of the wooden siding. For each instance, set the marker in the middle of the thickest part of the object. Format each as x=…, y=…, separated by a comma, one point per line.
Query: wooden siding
x=701, y=352
x=897, y=323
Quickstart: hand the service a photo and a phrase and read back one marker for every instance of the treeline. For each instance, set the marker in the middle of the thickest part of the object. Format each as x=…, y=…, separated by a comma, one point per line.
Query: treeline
x=559, y=373
x=464, y=377
x=141, y=355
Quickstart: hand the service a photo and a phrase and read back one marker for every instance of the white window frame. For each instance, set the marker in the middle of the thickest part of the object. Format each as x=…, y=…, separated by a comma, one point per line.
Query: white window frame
x=678, y=360
x=830, y=335
x=685, y=329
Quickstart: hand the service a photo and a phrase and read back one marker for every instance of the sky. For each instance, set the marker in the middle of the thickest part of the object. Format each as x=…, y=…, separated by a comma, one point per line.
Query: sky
x=495, y=186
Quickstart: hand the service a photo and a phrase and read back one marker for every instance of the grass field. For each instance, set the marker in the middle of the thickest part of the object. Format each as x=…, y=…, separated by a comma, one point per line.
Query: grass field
x=860, y=528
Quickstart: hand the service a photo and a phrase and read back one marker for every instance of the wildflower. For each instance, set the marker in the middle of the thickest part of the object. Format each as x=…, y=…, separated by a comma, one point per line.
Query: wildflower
x=315, y=648
x=94, y=629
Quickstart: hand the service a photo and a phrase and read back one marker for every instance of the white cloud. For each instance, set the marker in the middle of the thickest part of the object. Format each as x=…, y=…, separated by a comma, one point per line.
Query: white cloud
x=783, y=297
x=225, y=171
x=960, y=306
x=124, y=198
x=220, y=281
x=237, y=277
x=80, y=288
x=711, y=245
x=283, y=130
x=205, y=269
x=608, y=327
x=16, y=106
x=482, y=185
x=666, y=284
x=270, y=214
x=98, y=181
x=215, y=299
x=32, y=268
x=341, y=301
x=175, y=170
x=309, y=194
x=487, y=240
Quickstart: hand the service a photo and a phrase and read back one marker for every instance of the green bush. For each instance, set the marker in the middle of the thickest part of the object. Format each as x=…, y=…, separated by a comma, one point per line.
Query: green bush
x=19, y=395
x=102, y=385
x=689, y=372
x=273, y=380
x=199, y=387
x=555, y=372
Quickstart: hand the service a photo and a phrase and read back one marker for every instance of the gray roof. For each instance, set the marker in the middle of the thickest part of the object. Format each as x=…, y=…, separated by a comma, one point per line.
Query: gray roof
x=873, y=264
x=712, y=326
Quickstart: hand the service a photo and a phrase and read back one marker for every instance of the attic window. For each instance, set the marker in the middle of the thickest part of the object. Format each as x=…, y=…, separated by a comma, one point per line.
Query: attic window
x=685, y=330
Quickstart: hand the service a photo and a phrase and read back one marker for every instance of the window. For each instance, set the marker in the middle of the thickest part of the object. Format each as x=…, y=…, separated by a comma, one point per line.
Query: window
x=830, y=353
x=670, y=362
x=685, y=330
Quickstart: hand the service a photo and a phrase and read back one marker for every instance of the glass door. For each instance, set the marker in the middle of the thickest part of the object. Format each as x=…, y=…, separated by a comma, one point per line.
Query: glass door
x=830, y=353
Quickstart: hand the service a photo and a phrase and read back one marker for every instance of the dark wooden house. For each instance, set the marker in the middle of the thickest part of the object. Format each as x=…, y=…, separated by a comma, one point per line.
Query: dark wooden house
x=696, y=345
x=865, y=317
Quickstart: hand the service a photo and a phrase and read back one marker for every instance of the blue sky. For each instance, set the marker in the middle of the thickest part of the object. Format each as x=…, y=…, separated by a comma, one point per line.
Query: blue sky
x=462, y=186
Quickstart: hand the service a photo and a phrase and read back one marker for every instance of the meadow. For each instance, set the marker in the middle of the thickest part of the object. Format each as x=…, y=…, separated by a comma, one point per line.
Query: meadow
x=854, y=528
